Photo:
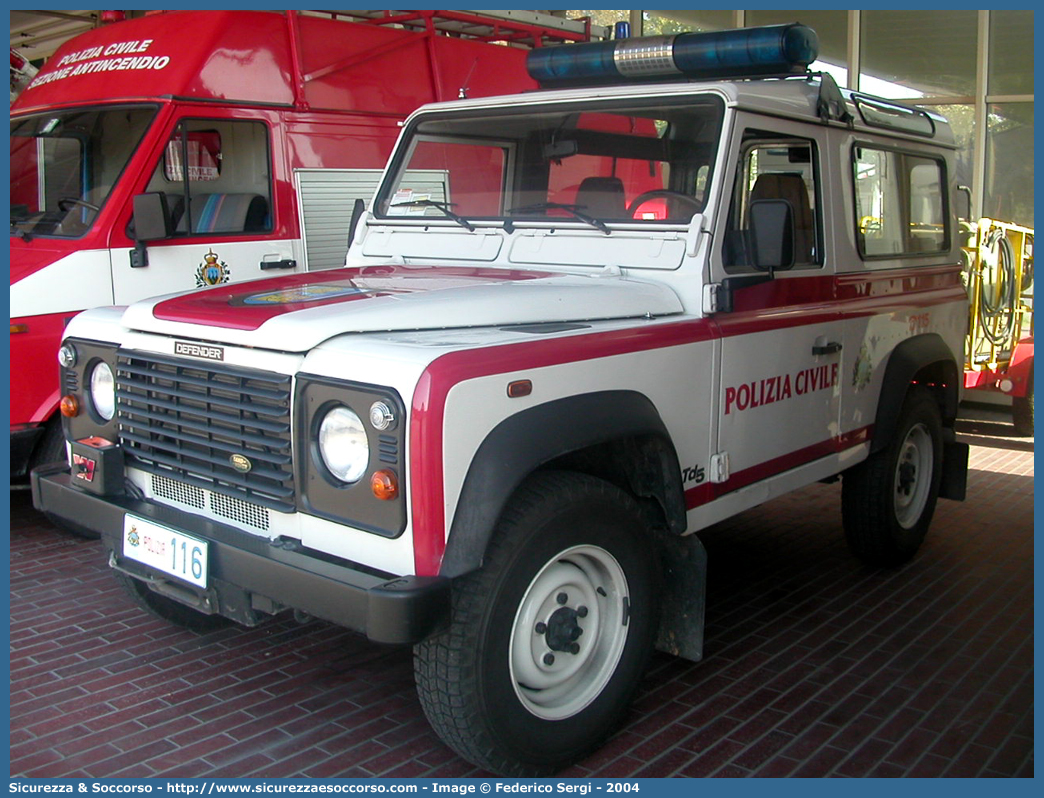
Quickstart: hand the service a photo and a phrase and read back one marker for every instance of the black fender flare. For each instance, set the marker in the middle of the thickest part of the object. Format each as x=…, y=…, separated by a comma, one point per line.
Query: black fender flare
x=910, y=358
x=523, y=442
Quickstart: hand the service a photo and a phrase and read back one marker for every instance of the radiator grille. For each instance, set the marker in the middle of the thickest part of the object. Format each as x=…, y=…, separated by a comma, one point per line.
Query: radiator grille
x=237, y=510
x=190, y=421
x=178, y=491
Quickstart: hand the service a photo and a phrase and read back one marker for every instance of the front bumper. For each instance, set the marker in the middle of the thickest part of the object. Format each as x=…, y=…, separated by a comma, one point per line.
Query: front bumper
x=253, y=577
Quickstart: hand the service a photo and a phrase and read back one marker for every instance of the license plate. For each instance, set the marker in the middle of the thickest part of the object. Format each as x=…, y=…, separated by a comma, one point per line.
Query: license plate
x=165, y=549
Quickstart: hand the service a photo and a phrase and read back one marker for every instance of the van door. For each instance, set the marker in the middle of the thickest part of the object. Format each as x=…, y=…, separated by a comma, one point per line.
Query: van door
x=216, y=177
x=779, y=401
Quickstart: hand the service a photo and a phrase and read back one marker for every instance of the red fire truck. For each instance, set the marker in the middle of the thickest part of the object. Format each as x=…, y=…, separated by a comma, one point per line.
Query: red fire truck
x=259, y=128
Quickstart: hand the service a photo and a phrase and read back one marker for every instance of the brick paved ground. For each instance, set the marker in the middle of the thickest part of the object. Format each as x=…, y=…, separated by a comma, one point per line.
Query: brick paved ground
x=816, y=666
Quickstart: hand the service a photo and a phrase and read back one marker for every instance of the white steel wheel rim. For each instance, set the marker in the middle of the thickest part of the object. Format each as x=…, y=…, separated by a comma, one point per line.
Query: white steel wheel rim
x=913, y=476
x=556, y=672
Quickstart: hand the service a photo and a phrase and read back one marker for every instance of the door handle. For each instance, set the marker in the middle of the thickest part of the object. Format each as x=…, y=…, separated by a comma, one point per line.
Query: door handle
x=827, y=349
x=286, y=263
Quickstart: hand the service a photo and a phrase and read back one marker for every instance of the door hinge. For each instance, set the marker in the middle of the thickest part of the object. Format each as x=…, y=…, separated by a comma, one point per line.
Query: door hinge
x=712, y=298
x=719, y=467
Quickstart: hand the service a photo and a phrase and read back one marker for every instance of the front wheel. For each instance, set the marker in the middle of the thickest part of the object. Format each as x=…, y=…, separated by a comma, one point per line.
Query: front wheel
x=547, y=641
x=887, y=501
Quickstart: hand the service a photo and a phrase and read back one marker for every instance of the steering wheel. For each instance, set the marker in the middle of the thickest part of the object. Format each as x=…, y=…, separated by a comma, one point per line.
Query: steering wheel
x=665, y=193
x=65, y=204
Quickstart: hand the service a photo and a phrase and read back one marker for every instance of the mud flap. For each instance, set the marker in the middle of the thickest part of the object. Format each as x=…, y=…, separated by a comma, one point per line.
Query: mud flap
x=684, y=597
x=954, y=482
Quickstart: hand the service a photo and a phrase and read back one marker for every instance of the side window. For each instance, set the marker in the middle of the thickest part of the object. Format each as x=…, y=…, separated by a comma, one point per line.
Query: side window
x=217, y=177
x=201, y=150
x=900, y=209
x=778, y=168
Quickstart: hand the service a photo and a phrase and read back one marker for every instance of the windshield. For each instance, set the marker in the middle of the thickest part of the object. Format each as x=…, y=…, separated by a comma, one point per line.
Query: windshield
x=64, y=165
x=623, y=162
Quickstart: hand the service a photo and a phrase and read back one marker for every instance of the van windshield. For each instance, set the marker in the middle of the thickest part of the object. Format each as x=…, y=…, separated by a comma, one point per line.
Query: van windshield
x=64, y=165
x=624, y=161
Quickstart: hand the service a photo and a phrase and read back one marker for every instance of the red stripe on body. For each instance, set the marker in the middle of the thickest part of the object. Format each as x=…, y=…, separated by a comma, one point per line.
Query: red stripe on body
x=709, y=491
x=782, y=303
x=429, y=404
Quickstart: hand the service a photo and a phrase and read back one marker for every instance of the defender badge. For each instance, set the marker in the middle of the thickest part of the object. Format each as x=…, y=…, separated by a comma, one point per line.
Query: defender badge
x=241, y=463
x=211, y=271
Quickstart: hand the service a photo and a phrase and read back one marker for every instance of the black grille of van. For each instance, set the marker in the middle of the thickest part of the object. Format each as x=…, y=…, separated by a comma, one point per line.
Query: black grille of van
x=218, y=427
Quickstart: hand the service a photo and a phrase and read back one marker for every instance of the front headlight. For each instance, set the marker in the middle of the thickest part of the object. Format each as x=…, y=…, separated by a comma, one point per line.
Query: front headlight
x=343, y=444
x=103, y=390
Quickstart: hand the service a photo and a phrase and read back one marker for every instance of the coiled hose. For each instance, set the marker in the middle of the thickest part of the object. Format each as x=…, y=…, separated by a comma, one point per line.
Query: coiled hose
x=1004, y=307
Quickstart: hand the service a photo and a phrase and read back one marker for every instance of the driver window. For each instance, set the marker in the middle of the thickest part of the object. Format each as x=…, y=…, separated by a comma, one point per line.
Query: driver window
x=216, y=176
x=778, y=168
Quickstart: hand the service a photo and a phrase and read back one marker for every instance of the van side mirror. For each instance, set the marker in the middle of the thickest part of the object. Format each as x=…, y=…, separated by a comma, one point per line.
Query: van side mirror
x=151, y=217
x=771, y=233
x=151, y=223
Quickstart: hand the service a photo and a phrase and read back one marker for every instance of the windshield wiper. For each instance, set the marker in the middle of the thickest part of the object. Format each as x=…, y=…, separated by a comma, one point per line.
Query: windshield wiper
x=427, y=203
x=25, y=235
x=572, y=210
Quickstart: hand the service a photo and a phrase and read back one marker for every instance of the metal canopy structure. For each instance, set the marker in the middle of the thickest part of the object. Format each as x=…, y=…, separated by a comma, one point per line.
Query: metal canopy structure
x=37, y=34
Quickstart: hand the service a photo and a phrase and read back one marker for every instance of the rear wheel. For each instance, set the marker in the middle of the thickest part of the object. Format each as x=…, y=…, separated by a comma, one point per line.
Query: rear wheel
x=547, y=641
x=887, y=501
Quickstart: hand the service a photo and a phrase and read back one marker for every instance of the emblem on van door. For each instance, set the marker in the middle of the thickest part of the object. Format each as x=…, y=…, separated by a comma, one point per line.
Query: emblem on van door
x=241, y=463
x=211, y=271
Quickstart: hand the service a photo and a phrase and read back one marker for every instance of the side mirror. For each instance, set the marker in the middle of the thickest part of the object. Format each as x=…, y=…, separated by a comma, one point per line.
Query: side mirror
x=151, y=223
x=772, y=234
x=151, y=217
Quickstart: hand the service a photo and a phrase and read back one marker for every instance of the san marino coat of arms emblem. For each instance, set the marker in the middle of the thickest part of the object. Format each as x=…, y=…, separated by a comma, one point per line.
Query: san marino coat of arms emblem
x=211, y=271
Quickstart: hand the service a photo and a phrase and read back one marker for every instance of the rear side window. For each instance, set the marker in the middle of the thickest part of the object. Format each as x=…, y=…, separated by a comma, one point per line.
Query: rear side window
x=900, y=203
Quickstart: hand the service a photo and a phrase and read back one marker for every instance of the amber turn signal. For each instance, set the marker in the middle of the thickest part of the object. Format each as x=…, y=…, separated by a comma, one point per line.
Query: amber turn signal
x=519, y=388
x=384, y=484
x=69, y=406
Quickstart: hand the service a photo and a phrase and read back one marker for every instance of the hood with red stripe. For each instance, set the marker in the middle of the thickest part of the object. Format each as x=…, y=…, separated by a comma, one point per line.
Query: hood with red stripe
x=297, y=312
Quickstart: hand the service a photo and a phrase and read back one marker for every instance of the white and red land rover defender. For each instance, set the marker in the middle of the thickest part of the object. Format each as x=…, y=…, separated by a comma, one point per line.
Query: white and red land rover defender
x=576, y=327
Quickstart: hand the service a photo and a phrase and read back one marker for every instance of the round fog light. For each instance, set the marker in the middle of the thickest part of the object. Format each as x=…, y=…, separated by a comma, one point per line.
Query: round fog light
x=67, y=356
x=381, y=416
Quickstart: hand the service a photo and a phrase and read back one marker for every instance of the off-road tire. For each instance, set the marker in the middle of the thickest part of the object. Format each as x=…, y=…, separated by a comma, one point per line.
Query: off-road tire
x=887, y=501
x=562, y=537
x=167, y=609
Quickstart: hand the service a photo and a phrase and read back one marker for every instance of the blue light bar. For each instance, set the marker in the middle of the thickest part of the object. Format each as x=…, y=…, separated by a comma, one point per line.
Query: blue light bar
x=741, y=52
